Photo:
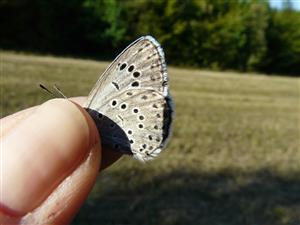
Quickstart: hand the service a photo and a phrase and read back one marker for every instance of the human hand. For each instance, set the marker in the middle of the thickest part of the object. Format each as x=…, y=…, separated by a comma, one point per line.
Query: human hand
x=50, y=158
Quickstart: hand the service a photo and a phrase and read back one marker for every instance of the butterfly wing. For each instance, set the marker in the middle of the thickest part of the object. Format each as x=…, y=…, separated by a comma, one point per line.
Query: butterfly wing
x=130, y=102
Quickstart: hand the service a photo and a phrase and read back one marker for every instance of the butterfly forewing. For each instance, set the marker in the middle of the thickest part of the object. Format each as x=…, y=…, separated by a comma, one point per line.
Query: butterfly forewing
x=130, y=102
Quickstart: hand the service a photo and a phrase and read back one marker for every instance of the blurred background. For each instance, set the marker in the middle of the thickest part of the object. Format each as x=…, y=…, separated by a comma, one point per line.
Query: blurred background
x=241, y=35
x=234, y=67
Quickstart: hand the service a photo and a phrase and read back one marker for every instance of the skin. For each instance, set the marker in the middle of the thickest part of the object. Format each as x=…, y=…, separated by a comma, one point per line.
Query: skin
x=50, y=157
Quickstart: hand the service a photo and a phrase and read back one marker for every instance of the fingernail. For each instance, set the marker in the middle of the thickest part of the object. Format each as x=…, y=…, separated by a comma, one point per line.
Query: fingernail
x=42, y=151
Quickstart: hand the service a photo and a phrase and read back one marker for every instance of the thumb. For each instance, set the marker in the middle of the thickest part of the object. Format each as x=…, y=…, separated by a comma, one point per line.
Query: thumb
x=49, y=161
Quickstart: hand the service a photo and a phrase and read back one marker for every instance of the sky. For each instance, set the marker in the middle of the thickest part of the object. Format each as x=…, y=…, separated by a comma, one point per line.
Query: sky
x=278, y=4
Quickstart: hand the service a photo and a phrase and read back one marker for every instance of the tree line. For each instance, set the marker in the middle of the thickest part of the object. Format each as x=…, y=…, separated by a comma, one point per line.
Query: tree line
x=243, y=35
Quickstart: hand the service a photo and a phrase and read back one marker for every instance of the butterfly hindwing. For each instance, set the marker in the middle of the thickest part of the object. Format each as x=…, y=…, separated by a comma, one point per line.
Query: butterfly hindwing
x=130, y=102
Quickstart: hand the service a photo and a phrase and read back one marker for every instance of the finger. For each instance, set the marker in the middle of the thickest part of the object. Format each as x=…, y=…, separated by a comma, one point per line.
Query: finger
x=65, y=201
x=58, y=140
x=7, y=123
x=10, y=121
x=108, y=156
x=70, y=192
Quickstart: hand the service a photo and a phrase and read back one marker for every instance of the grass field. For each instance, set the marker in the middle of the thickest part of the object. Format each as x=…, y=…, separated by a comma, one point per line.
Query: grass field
x=234, y=158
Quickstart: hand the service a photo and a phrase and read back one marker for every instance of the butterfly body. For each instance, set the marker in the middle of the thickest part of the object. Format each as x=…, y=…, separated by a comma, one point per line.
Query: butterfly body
x=130, y=102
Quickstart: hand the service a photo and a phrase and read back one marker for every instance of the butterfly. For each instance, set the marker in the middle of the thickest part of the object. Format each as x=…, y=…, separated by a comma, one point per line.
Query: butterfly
x=131, y=104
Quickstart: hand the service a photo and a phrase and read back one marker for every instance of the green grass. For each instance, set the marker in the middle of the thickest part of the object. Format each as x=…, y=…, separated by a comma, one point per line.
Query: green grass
x=234, y=157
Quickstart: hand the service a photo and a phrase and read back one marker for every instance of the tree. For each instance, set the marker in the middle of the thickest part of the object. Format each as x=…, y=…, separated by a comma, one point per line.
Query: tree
x=283, y=38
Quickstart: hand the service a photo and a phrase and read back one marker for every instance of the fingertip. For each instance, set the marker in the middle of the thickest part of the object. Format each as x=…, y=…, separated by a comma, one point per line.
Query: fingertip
x=93, y=131
x=43, y=150
x=108, y=156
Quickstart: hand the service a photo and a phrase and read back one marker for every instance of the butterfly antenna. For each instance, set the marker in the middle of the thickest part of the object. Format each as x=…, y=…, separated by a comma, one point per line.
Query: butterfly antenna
x=47, y=90
x=59, y=91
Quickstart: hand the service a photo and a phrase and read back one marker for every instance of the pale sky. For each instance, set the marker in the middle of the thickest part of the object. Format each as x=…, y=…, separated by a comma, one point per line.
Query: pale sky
x=278, y=4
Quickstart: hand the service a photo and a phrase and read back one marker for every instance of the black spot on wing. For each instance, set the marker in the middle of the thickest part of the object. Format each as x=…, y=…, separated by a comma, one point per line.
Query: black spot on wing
x=135, y=84
x=116, y=85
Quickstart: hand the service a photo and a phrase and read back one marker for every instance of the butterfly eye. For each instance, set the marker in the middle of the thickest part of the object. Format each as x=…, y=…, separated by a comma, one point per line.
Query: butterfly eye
x=141, y=126
x=129, y=131
x=141, y=117
x=135, y=110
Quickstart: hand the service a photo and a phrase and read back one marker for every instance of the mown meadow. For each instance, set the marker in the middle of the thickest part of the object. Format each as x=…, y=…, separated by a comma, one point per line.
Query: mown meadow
x=233, y=158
